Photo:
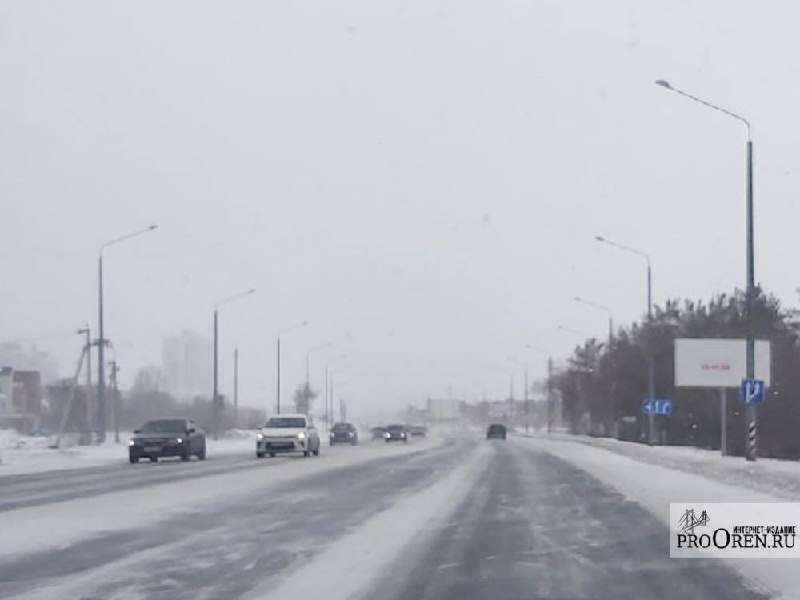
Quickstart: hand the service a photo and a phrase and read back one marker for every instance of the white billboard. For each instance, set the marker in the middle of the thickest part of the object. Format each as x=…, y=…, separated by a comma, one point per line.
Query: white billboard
x=717, y=363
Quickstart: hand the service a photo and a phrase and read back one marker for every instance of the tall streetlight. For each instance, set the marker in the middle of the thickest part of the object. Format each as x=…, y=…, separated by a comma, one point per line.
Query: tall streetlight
x=101, y=341
x=308, y=359
x=651, y=368
x=550, y=403
x=750, y=411
x=215, y=397
x=280, y=333
x=329, y=388
x=524, y=365
x=607, y=310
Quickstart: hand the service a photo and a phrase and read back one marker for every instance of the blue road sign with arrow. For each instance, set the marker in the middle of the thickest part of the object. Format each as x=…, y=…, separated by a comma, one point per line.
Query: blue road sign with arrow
x=657, y=406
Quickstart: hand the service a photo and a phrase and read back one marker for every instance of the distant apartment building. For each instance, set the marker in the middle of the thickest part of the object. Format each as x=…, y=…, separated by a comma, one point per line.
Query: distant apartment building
x=186, y=364
x=21, y=395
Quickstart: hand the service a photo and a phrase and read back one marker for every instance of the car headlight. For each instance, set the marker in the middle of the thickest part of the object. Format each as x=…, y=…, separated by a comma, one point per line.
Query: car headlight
x=350, y=434
x=402, y=435
x=387, y=435
x=179, y=441
x=301, y=435
x=259, y=436
x=131, y=442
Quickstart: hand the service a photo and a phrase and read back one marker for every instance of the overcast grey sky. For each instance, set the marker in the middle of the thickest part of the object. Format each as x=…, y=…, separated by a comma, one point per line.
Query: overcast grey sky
x=427, y=176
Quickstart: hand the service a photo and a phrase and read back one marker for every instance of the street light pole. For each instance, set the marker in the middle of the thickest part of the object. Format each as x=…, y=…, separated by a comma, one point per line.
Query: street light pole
x=101, y=341
x=278, y=377
x=215, y=399
x=612, y=400
x=549, y=398
x=236, y=387
x=651, y=364
x=751, y=416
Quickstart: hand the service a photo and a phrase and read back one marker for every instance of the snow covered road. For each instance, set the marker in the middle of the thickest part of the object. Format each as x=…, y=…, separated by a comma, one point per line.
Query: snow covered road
x=461, y=518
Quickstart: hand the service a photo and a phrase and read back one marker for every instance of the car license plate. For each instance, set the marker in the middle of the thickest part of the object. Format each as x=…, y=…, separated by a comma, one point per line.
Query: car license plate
x=152, y=449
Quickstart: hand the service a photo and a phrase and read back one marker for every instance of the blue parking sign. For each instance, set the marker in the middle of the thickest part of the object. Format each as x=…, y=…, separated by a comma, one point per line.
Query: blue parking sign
x=753, y=391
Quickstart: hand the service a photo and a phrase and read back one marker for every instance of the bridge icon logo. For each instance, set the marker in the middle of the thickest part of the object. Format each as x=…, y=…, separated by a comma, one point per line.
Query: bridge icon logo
x=689, y=520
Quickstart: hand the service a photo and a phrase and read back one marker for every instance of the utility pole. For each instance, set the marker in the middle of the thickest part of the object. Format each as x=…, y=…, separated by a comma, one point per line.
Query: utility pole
x=215, y=398
x=215, y=401
x=332, y=397
x=278, y=378
x=651, y=360
x=100, y=424
x=325, y=395
x=550, y=402
x=236, y=387
x=115, y=399
x=526, y=399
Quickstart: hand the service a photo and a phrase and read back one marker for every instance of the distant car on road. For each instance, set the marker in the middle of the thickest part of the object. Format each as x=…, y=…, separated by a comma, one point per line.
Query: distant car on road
x=396, y=433
x=167, y=437
x=377, y=432
x=286, y=433
x=418, y=431
x=496, y=431
x=344, y=433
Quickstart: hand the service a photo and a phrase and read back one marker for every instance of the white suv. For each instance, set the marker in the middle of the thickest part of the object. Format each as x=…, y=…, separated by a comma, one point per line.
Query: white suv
x=287, y=433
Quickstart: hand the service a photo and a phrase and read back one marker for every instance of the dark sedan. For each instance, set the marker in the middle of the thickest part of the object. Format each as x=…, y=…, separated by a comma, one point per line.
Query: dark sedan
x=344, y=433
x=496, y=431
x=167, y=437
x=396, y=433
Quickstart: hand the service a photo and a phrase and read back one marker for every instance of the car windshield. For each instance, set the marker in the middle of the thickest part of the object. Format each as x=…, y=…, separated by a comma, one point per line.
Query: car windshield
x=286, y=422
x=342, y=427
x=395, y=428
x=164, y=426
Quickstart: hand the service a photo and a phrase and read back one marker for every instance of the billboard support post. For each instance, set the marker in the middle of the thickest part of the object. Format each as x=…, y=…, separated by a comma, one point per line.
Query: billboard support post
x=723, y=419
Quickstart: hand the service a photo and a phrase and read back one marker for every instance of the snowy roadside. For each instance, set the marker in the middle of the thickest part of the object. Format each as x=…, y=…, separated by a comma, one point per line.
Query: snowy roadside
x=20, y=454
x=780, y=478
x=654, y=486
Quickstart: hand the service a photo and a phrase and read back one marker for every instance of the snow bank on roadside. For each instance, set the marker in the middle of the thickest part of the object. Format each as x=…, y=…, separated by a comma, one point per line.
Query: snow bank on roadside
x=768, y=475
x=654, y=486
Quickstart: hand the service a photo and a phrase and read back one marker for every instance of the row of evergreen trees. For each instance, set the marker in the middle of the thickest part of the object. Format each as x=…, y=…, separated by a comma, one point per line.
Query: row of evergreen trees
x=604, y=384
